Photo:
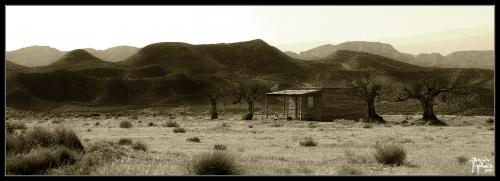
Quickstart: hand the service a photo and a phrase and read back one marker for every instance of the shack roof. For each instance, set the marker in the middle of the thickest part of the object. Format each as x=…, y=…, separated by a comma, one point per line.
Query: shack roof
x=293, y=92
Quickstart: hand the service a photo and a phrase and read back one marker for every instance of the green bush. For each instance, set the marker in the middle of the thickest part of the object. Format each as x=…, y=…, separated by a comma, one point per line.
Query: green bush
x=40, y=160
x=172, y=123
x=193, y=139
x=390, y=154
x=13, y=126
x=125, y=124
x=41, y=137
x=138, y=145
x=308, y=141
x=179, y=130
x=214, y=163
x=462, y=159
x=125, y=141
x=220, y=147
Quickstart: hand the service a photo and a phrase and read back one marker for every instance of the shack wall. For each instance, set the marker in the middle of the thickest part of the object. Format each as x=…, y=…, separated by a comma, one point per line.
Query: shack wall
x=336, y=103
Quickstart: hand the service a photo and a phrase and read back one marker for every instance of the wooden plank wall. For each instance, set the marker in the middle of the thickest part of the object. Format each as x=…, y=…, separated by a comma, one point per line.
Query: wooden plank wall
x=337, y=103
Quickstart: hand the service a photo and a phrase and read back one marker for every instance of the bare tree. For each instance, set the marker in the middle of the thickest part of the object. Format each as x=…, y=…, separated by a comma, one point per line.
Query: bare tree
x=426, y=86
x=246, y=90
x=214, y=93
x=367, y=87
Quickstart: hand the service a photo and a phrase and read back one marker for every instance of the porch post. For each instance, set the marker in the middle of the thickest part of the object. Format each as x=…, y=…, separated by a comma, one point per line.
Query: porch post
x=267, y=107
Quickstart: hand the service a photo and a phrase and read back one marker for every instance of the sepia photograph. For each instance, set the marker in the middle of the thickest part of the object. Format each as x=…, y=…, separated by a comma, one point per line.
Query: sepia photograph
x=249, y=90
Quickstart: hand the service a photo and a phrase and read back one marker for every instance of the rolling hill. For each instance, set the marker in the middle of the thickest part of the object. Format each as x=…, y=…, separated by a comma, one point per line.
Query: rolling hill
x=179, y=73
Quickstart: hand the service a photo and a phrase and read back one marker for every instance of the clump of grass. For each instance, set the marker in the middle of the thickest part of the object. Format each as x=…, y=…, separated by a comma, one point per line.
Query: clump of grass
x=390, y=154
x=125, y=124
x=68, y=138
x=462, y=159
x=348, y=170
x=179, y=130
x=89, y=130
x=193, y=139
x=172, y=123
x=367, y=126
x=490, y=120
x=276, y=124
x=13, y=126
x=250, y=126
x=220, y=147
x=308, y=142
x=352, y=157
x=312, y=125
x=57, y=121
x=138, y=145
x=214, y=163
x=406, y=140
x=125, y=141
x=40, y=160
x=97, y=123
x=151, y=124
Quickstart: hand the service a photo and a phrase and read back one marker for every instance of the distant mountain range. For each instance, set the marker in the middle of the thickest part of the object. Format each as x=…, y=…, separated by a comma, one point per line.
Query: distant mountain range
x=461, y=59
x=45, y=55
x=180, y=73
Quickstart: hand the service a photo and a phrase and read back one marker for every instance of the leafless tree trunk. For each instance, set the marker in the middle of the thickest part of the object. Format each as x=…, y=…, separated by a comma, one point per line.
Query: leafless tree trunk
x=367, y=88
x=246, y=90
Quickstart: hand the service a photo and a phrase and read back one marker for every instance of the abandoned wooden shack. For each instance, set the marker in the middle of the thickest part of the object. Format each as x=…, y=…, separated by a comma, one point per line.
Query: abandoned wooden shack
x=320, y=104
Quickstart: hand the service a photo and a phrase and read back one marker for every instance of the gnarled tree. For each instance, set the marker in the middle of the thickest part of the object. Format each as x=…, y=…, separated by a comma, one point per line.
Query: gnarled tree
x=367, y=87
x=426, y=86
x=214, y=93
x=246, y=90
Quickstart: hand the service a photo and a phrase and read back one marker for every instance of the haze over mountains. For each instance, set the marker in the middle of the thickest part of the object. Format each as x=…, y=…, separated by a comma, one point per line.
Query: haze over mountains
x=461, y=59
x=45, y=55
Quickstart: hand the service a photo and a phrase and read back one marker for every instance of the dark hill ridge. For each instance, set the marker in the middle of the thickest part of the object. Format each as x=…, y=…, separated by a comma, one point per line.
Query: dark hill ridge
x=250, y=57
x=352, y=60
x=173, y=56
x=78, y=58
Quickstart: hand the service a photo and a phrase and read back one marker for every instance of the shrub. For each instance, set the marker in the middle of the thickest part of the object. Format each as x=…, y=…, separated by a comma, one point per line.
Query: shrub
x=41, y=137
x=490, y=120
x=39, y=160
x=348, y=170
x=312, y=125
x=57, y=121
x=276, y=124
x=250, y=126
x=151, y=124
x=125, y=124
x=172, y=123
x=97, y=123
x=193, y=139
x=138, y=145
x=352, y=157
x=462, y=159
x=214, y=163
x=390, y=154
x=308, y=141
x=125, y=141
x=220, y=147
x=13, y=126
x=367, y=126
x=179, y=130
x=89, y=130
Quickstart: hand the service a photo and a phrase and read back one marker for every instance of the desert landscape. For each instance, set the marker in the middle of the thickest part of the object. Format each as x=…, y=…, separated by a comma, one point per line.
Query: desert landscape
x=249, y=107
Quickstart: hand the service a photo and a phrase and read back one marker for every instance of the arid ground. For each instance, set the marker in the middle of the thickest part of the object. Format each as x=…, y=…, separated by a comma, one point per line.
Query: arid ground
x=271, y=146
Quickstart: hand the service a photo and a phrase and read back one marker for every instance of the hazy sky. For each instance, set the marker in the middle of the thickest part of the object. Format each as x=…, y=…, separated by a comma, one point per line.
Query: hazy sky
x=100, y=27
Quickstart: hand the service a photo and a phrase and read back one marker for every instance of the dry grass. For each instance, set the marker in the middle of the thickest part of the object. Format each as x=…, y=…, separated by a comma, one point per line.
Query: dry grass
x=274, y=150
